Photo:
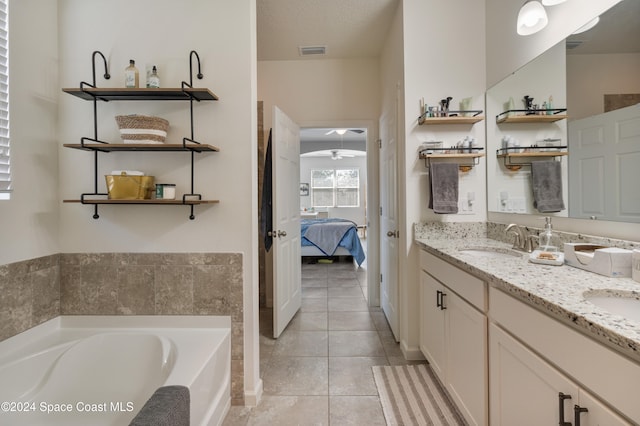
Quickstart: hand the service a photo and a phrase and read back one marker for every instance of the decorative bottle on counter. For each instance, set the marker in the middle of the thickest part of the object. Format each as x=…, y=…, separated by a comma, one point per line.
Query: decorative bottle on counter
x=154, y=80
x=131, y=75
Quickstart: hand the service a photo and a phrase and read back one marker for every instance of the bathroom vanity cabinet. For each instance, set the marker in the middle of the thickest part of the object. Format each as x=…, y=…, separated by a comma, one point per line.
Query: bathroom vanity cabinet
x=453, y=330
x=543, y=372
x=506, y=362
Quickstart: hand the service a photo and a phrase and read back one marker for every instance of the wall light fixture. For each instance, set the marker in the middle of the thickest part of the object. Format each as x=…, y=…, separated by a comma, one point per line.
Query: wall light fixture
x=531, y=18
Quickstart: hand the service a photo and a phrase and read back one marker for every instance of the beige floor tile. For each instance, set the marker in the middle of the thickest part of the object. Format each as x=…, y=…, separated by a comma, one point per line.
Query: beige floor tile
x=353, y=375
x=351, y=321
x=380, y=320
x=309, y=321
x=352, y=291
x=314, y=292
x=301, y=343
x=314, y=282
x=313, y=305
x=297, y=376
x=343, y=282
x=356, y=411
x=347, y=304
x=355, y=343
x=290, y=410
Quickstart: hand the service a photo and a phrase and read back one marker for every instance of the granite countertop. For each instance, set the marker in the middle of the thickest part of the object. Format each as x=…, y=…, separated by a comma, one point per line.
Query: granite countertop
x=555, y=290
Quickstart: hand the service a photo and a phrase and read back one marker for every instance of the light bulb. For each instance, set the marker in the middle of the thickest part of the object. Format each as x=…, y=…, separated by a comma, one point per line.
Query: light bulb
x=531, y=18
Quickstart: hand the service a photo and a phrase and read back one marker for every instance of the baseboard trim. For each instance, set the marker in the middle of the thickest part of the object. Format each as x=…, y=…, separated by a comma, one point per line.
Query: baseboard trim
x=252, y=398
x=411, y=353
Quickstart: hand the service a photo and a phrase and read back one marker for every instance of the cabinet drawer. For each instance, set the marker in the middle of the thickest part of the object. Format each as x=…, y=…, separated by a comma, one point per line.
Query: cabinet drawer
x=607, y=374
x=465, y=285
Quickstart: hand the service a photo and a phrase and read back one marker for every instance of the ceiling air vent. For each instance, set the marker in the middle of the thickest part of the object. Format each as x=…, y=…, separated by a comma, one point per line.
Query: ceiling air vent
x=572, y=44
x=312, y=50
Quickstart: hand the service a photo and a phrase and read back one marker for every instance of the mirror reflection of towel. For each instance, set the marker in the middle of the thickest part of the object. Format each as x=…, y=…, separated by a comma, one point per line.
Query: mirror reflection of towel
x=546, y=181
x=443, y=188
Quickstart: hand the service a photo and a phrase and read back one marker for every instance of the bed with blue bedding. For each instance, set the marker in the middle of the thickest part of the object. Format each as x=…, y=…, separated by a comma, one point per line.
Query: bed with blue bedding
x=331, y=237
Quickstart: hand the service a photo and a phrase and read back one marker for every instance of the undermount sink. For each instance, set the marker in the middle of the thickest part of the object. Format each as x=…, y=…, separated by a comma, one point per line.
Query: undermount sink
x=489, y=252
x=625, y=304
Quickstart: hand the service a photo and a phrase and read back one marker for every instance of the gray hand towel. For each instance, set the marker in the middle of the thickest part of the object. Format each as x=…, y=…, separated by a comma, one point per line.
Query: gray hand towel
x=168, y=406
x=443, y=187
x=546, y=180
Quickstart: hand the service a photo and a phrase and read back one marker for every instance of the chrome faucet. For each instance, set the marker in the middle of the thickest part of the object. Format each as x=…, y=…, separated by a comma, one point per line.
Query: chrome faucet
x=522, y=241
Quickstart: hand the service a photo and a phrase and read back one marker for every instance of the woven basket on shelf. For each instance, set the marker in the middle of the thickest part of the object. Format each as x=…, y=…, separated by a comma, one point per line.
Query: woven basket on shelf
x=142, y=128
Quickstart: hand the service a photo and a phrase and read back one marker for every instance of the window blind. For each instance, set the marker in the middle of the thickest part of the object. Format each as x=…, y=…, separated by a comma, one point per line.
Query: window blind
x=5, y=167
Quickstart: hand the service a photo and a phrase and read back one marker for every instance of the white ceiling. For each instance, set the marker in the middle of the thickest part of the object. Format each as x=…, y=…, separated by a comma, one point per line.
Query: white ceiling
x=348, y=28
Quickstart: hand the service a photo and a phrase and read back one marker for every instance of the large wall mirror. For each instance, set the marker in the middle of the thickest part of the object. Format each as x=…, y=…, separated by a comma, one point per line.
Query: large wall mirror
x=595, y=76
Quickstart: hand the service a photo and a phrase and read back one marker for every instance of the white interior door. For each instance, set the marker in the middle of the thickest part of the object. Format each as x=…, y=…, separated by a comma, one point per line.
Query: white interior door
x=603, y=166
x=389, y=219
x=287, y=291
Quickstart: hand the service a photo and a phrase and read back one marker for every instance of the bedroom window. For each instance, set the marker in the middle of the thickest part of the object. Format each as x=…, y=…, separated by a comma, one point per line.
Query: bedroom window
x=335, y=188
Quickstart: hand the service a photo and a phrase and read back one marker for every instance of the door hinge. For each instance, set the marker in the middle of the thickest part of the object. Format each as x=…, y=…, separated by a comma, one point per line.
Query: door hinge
x=380, y=277
x=380, y=143
x=380, y=210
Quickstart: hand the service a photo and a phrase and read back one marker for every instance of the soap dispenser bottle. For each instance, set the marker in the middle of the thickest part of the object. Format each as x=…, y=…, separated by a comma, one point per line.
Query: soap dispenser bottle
x=547, y=252
x=546, y=239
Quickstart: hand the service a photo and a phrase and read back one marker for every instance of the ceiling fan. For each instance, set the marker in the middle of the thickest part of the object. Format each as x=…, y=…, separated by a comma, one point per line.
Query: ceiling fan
x=337, y=155
x=343, y=131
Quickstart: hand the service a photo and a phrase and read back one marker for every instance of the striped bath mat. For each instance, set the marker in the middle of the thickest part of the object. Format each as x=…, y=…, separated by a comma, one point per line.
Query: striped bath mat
x=412, y=395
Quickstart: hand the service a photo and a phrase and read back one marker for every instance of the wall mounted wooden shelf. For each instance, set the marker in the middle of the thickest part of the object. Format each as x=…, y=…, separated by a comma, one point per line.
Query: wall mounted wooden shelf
x=144, y=94
x=462, y=117
x=521, y=116
x=165, y=147
x=474, y=156
x=152, y=201
x=509, y=157
x=90, y=92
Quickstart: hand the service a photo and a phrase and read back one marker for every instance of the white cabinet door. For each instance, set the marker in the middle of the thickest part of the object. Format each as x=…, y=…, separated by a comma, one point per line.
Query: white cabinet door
x=453, y=339
x=524, y=389
x=597, y=414
x=466, y=351
x=432, y=342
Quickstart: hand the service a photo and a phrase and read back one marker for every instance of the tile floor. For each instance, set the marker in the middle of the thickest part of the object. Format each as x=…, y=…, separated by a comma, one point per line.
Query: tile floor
x=319, y=371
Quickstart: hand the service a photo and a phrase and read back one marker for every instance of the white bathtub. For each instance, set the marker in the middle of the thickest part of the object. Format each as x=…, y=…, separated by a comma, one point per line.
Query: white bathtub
x=100, y=370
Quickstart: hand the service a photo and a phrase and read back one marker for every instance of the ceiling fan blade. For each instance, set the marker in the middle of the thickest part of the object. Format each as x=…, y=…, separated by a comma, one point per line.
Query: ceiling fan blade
x=356, y=131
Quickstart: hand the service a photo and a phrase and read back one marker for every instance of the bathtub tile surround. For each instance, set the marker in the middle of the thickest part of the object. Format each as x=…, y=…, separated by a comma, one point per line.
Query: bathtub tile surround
x=29, y=294
x=37, y=290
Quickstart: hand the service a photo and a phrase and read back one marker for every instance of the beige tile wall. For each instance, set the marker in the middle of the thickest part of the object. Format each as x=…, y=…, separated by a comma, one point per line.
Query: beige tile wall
x=29, y=294
x=37, y=290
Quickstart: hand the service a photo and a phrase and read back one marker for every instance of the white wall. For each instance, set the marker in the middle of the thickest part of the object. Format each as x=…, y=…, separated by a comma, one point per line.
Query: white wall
x=355, y=214
x=320, y=90
x=507, y=51
x=444, y=55
x=542, y=78
x=587, y=87
x=223, y=33
x=31, y=215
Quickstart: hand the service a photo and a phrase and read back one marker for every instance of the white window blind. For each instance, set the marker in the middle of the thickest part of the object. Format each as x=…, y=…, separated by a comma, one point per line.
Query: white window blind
x=5, y=167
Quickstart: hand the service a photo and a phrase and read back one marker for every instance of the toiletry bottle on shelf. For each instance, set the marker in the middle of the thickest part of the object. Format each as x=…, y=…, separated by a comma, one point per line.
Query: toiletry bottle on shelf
x=154, y=80
x=131, y=75
x=550, y=106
